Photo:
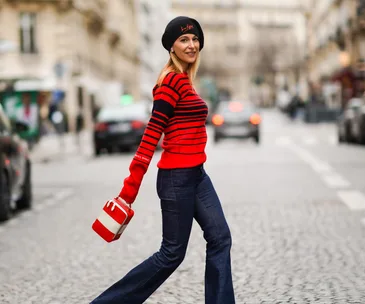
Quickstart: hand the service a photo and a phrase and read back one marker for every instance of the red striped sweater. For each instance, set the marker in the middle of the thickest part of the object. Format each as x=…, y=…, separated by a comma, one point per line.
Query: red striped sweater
x=180, y=114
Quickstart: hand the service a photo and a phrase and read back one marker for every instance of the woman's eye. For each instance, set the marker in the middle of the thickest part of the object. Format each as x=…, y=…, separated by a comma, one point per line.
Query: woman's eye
x=183, y=40
x=196, y=39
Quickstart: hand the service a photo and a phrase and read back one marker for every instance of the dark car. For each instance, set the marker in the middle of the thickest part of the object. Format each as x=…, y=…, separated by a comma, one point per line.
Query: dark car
x=15, y=168
x=120, y=127
x=235, y=119
x=351, y=123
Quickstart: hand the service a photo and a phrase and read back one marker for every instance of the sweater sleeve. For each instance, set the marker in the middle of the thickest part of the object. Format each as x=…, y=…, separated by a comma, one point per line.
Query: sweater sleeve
x=165, y=98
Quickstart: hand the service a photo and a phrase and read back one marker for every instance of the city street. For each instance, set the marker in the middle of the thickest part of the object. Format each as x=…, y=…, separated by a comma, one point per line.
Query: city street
x=295, y=205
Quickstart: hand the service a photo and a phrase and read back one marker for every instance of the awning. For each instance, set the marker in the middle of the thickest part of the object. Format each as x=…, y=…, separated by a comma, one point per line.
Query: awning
x=35, y=85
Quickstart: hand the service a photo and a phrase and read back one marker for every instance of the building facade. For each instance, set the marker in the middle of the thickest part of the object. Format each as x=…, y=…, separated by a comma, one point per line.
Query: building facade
x=337, y=49
x=79, y=47
x=152, y=19
x=277, y=43
x=234, y=31
x=221, y=61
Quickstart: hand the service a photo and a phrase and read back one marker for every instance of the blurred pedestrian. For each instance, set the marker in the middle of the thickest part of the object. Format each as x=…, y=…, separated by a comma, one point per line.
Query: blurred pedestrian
x=28, y=112
x=79, y=127
x=184, y=188
x=294, y=105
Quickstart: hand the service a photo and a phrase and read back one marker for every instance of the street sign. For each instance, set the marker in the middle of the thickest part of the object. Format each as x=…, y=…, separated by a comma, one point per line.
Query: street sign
x=59, y=70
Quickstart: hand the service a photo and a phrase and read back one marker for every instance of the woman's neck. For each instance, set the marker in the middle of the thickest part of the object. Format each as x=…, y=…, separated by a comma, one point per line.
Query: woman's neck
x=185, y=66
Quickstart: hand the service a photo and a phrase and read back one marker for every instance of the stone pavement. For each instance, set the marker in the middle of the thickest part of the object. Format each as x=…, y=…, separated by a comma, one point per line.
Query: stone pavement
x=294, y=240
x=54, y=146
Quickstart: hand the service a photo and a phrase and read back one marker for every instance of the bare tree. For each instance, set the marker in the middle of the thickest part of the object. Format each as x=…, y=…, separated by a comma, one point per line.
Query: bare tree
x=274, y=50
x=264, y=54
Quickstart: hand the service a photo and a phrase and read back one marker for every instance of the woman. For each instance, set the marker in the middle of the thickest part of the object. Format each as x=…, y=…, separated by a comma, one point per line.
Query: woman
x=184, y=188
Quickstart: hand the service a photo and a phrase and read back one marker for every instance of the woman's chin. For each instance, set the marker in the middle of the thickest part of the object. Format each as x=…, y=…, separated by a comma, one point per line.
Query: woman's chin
x=190, y=60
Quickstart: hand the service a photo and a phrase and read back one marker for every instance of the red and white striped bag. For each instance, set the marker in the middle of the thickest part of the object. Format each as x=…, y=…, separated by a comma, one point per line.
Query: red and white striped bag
x=113, y=219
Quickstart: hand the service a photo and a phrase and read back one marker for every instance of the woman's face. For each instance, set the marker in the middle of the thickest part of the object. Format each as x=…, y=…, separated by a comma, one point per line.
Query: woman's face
x=186, y=48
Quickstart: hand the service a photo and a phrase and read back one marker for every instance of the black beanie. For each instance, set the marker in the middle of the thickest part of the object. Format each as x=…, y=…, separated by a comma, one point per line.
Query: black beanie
x=179, y=26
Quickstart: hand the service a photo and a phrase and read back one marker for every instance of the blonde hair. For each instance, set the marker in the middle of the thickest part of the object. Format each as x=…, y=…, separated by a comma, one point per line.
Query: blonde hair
x=174, y=65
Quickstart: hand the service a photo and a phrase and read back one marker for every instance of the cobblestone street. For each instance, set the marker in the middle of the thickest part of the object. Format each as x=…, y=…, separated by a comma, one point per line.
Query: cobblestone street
x=298, y=232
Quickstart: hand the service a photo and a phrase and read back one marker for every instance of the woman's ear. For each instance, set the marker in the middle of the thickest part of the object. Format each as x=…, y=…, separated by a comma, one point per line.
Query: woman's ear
x=172, y=50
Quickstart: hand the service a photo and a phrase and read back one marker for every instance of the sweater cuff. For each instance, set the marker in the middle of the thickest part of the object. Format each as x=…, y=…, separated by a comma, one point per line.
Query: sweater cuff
x=127, y=196
x=133, y=182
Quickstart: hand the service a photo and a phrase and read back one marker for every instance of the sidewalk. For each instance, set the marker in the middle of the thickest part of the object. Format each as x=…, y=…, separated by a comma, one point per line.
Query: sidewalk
x=54, y=147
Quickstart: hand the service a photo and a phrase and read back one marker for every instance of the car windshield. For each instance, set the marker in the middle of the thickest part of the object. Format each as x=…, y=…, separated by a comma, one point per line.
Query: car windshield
x=134, y=111
x=235, y=109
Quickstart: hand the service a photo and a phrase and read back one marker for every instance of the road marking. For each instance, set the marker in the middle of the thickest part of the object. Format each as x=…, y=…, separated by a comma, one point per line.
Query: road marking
x=326, y=172
x=310, y=141
x=321, y=167
x=317, y=165
x=62, y=194
x=354, y=199
x=334, y=180
x=283, y=141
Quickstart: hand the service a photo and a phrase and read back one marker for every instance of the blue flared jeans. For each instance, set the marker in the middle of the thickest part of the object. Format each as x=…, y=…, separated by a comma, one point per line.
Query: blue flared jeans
x=185, y=194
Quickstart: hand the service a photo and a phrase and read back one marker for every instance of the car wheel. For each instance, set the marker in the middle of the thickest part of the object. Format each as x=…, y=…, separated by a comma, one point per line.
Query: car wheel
x=97, y=151
x=362, y=132
x=348, y=136
x=5, y=197
x=123, y=149
x=340, y=138
x=25, y=202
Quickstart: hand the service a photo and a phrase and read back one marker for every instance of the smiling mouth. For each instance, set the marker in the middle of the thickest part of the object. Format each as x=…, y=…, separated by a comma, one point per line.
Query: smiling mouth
x=191, y=53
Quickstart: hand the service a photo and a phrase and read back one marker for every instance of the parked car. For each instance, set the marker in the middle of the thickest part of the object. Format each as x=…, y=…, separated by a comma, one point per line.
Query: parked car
x=120, y=127
x=236, y=119
x=15, y=168
x=351, y=123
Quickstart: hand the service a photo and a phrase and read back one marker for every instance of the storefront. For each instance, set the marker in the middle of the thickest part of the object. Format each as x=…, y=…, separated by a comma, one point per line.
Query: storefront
x=349, y=84
x=29, y=101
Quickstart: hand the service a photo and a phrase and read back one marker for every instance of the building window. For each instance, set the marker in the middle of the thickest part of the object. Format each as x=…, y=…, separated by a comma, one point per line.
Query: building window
x=28, y=33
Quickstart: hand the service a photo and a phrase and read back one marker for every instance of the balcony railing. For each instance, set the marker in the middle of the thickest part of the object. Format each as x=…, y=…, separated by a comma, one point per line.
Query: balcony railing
x=94, y=12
